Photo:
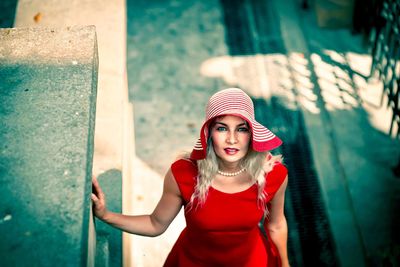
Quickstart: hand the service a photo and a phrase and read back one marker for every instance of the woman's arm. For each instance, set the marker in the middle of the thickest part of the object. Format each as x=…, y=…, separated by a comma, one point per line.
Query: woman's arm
x=277, y=225
x=147, y=225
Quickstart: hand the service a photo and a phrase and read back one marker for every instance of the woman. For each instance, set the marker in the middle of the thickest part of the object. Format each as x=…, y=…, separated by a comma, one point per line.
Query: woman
x=232, y=190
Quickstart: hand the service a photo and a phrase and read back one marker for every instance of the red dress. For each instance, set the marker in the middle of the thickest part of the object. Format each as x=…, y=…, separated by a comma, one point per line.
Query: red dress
x=225, y=230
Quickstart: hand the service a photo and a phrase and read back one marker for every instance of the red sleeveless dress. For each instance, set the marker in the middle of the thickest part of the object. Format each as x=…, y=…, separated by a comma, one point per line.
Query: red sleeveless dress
x=225, y=230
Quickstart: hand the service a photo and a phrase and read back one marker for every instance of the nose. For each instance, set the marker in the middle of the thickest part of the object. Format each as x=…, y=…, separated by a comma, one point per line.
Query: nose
x=231, y=138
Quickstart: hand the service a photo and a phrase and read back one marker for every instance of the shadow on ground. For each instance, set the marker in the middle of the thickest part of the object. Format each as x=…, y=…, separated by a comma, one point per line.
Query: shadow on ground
x=7, y=13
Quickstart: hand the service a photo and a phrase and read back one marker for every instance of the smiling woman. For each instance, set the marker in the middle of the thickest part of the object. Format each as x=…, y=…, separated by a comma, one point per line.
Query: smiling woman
x=228, y=185
x=230, y=136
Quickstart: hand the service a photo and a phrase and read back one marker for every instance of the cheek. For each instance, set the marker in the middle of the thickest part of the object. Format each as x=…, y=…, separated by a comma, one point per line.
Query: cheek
x=216, y=138
x=246, y=140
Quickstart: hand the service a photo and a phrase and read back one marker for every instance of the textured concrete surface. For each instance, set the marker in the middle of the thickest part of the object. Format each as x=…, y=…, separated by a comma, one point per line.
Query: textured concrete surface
x=113, y=134
x=109, y=19
x=48, y=46
x=47, y=112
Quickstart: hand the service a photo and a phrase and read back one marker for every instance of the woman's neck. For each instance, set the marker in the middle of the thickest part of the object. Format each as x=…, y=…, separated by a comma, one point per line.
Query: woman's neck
x=229, y=166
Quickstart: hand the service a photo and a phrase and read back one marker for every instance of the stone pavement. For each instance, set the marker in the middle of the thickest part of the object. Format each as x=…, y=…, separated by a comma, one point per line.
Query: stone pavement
x=180, y=52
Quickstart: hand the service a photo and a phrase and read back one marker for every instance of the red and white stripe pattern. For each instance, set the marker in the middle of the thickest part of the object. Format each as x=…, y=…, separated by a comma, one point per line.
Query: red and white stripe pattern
x=229, y=100
x=198, y=145
x=234, y=101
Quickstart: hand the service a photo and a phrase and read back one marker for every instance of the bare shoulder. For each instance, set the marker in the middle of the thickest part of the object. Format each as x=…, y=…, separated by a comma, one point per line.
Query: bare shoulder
x=170, y=184
x=280, y=193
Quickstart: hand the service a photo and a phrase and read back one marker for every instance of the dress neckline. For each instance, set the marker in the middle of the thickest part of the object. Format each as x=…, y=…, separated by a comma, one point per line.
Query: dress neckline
x=234, y=193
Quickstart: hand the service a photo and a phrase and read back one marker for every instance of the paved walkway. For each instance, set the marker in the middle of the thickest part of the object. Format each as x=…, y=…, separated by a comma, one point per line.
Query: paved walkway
x=180, y=52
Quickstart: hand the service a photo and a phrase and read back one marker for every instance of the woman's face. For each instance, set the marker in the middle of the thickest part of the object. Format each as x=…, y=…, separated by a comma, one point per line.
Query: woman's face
x=231, y=138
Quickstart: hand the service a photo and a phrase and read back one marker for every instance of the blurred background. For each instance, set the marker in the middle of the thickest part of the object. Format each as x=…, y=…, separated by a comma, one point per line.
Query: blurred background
x=324, y=76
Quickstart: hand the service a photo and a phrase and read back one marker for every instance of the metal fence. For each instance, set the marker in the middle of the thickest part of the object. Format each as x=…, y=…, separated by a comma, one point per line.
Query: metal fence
x=385, y=49
x=385, y=44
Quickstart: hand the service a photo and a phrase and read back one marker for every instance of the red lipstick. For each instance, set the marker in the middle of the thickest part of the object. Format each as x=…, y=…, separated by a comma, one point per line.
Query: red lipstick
x=231, y=151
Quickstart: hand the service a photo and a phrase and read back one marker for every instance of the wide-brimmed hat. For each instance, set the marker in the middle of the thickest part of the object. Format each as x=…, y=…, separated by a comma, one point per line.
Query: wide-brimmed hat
x=233, y=101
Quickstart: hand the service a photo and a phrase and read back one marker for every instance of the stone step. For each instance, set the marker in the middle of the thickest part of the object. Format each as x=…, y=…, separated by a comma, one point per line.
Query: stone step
x=47, y=112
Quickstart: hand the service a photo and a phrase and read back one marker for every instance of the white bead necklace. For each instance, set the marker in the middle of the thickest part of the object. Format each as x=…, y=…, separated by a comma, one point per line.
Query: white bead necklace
x=231, y=174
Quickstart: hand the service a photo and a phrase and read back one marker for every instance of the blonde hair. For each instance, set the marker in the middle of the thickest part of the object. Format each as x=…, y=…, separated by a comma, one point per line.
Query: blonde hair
x=257, y=164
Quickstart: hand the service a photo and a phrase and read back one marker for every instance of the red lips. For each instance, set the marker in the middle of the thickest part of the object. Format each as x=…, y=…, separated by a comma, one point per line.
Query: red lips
x=231, y=151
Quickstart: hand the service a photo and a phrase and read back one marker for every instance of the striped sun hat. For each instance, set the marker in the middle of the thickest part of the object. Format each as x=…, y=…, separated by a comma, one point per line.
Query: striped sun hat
x=234, y=101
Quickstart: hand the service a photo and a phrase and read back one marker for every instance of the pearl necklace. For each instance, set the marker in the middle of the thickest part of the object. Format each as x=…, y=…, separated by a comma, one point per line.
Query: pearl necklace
x=231, y=174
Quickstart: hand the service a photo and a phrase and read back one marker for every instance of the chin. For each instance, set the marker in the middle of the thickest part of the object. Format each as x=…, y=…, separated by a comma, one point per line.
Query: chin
x=231, y=159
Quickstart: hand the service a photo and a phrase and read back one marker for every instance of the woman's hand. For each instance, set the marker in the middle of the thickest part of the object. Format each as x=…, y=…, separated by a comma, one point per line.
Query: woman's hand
x=153, y=224
x=98, y=199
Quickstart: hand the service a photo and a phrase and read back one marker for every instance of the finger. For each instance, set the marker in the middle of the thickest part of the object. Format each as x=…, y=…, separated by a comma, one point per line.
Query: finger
x=94, y=189
x=99, y=191
x=94, y=180
x=96, y=186
x=94, y=198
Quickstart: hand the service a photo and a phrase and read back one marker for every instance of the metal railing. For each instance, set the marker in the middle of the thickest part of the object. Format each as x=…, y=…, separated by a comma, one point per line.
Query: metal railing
x=386, y=58
x=385, y=49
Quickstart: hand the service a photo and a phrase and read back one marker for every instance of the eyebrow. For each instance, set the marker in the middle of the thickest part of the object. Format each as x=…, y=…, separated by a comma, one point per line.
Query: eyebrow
x=224, y=124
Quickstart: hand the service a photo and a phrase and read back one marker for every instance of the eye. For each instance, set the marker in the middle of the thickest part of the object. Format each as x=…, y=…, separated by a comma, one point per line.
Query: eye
x=243, y=129
x=221, y=128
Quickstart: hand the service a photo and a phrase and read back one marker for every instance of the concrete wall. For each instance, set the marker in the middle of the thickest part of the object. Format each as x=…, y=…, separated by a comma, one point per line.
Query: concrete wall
x=47, y=114
x=113, y=144
x=109, y=19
